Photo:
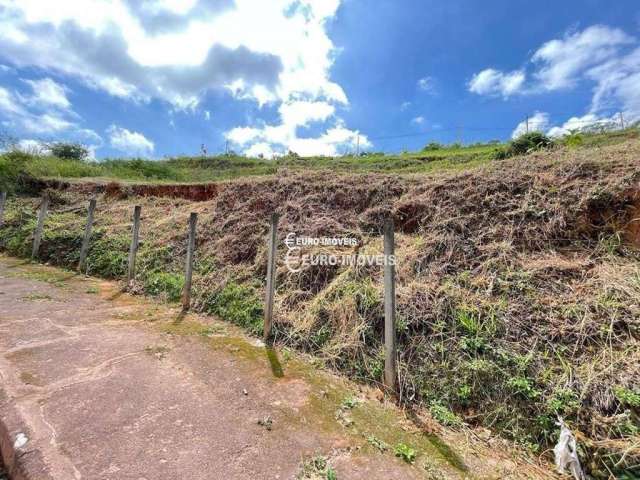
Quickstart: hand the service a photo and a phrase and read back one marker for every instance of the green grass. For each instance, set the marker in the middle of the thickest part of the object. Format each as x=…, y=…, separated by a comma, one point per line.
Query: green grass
x=225, y=167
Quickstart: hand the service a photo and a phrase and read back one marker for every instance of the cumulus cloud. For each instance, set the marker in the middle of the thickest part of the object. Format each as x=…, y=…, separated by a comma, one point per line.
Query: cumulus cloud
x=47, y=92
x=268, y=50
x=541, y=122
x=494, y=82
x=272, y=140
x=561, y=62
x=45, y=111
x=538, y=122
x=418, y=120
x=301, y=113
x=132, y=143
x=586, y=122
x=607, y=58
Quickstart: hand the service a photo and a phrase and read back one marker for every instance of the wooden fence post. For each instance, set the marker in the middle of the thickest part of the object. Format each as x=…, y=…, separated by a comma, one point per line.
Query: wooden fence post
x=3, y=201
x=133, y=248
x=390, y=374
x=84, y=250
x=186, y=293
x=271, y=276
x=42, y=215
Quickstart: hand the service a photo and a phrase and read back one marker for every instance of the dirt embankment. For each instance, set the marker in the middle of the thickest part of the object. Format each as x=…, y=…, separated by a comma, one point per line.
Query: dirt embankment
x=518, y=284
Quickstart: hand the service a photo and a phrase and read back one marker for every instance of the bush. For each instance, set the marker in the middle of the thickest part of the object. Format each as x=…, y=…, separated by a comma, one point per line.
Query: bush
x=433, y=146
x=12, y=166
x=167, y=284
x=69, y=151
x=238, y=304
x=529, y=142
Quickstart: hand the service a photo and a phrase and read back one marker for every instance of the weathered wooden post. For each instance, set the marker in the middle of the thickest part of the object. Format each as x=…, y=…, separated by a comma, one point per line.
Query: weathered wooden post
x=42, y=215
x=3, y=201
x=84, y=250
x=186, y=293
x=271, y=276
x=133, y=248
x=389, y=307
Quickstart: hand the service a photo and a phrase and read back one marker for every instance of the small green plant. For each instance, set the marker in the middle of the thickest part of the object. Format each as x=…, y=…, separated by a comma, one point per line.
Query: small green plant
x=317, y=468
x=405, y=452
x=563, y=402
x=523, y=386
x=468, y=319
x=573, y=139
x=377, y=443
x=238, y=304
x=464, y=393
x=161, y=283
x=443, y=415
x=627, y=397
x=350, y=402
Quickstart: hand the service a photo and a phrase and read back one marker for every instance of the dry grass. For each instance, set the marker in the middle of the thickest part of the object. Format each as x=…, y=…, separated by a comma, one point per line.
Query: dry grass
x=518, y=283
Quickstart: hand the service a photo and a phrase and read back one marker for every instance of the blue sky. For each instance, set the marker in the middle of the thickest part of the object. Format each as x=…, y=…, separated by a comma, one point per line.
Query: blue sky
x=162, y=77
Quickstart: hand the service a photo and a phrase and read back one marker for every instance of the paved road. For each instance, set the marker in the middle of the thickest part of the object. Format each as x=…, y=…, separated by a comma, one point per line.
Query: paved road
x=99, y=385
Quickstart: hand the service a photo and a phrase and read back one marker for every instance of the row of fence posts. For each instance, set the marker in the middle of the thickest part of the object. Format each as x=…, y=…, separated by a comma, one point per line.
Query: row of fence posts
x=390, y=375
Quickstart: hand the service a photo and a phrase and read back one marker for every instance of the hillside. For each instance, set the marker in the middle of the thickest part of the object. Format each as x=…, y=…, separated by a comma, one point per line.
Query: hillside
x=518, y=280
x=434, y=158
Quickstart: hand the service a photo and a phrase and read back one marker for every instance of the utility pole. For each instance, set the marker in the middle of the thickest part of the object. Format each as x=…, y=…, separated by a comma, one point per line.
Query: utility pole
x=527, y=121
x=358, y=145
x=460, y=134
x=621, y=121
x=226, y=147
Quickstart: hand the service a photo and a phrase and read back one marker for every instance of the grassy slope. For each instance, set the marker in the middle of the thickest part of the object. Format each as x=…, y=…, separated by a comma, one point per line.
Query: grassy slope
x=517, y=297
x=197, y=169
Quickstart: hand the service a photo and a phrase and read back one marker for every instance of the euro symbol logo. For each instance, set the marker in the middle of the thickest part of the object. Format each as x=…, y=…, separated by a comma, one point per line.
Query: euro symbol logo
x=290, y=240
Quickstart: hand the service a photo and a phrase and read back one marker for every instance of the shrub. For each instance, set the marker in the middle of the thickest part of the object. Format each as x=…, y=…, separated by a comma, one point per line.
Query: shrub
x=168, y=284
x=433, y=146
x=12, y=165
x=238, y=304
x=69, y=151
x=108, y=256
x=529, y=142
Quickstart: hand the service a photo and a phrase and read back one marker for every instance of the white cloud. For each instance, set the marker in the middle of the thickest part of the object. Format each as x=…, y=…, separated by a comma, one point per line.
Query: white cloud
x=427, y=84
x=139, y=50
x=538, y=122
x=207, y=115
x=404, y=106
x=494, y=82
x=418, y=120
x=586, y=122
x=606, y=57
x=132, y=143
x=34, y=147
x=243, y=135
x=273, y=140
x=276, y=52
x=561, y=62
x=262, y=149
x=47, y=92
x=302, y=113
